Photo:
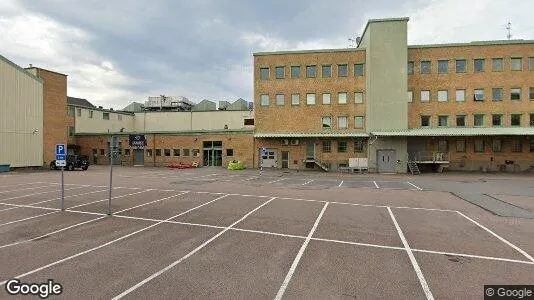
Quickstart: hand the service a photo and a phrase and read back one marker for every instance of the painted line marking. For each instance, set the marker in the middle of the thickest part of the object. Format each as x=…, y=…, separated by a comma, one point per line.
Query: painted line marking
x=49, y=200
x=286, y=281
x=475, y=256
x=358, y=244
x=415, y=186
x=151, y=202
x=376, y=185
x=307, y=182
x=19, y=184
x=29, y=218
x=278, y=180
x=340, y=184
x=415, y=265
x=141, y=283
x=254, y=177
x=25, y=189
x=499, y=237
x=40, y=193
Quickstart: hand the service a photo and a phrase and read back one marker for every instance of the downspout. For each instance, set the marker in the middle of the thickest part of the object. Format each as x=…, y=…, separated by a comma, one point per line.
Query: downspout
x=154, y=149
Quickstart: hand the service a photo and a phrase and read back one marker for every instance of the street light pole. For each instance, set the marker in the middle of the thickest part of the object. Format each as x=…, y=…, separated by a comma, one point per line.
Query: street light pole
x=110, y=170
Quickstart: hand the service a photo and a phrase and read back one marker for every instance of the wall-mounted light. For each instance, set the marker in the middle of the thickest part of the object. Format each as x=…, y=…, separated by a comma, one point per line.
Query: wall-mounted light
x=35, y=131
x=195, y=139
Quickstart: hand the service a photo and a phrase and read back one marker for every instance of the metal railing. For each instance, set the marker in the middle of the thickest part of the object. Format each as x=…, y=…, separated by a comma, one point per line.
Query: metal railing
x=429, y=156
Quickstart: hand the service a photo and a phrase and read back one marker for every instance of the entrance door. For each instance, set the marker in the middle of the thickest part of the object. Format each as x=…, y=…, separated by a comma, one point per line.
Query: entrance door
x=139, y=157
x=285, y=159
x=212, y=153
x=386, y=161
x=310, y=149
x=269, y=160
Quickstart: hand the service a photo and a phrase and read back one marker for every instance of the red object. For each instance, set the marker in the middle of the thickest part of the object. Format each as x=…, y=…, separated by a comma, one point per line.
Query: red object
x=179, y=166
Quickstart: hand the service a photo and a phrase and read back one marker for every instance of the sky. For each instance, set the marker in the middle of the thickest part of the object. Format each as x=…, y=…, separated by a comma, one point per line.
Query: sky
x=121, y=51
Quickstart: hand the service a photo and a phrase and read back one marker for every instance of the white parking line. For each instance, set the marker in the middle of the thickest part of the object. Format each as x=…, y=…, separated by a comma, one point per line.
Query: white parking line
x=376, y=185
x=151, y=202
x=40, y=193
x=278, y=180
x=25, y=189
x=415, y=186
x=307, y=182
x=29, y=218
x=340, y=184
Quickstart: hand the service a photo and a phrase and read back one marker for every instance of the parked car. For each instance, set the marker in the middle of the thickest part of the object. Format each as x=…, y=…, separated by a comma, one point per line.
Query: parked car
x=73, y=162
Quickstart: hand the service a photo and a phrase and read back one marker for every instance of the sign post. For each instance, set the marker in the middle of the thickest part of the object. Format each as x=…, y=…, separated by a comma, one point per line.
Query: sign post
x=61, y=161
x=263, y=153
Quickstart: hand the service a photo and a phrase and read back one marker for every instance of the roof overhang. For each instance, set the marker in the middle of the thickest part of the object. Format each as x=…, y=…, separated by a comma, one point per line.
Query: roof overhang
x=490, y=131
x=325, y=134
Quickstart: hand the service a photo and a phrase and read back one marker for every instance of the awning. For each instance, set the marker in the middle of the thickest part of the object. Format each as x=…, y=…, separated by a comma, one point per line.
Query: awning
x=458, y=131
x=325, y=134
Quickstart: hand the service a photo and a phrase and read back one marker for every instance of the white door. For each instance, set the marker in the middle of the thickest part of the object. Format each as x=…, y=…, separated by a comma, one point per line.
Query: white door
x=269, y=159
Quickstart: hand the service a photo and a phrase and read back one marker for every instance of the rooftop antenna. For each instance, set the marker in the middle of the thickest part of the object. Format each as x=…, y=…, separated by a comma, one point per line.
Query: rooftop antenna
x=354, y=42
x=509, y=28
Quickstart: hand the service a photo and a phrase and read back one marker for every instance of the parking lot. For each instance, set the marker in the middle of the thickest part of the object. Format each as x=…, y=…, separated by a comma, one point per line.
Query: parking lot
x=219, y=234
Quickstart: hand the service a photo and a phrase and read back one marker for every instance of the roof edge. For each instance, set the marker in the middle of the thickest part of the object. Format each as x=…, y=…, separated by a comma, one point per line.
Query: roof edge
x=473, y=43
x=328, y=50
x=183, y=132
x=379, y=20
x=21, y=69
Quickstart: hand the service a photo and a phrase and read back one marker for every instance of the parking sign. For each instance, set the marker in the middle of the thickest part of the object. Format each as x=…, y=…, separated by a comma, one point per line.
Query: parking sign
x=61, y=155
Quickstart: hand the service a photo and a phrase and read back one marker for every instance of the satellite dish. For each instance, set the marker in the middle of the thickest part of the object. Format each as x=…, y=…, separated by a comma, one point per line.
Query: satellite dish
x=358, y=39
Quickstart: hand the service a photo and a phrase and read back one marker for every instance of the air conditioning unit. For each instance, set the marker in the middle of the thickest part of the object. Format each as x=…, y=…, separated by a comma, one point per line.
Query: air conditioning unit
x=285, y=142
x=294, y=142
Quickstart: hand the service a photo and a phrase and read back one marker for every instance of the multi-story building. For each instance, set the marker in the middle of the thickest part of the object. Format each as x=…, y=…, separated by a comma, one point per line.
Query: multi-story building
x=468, y=106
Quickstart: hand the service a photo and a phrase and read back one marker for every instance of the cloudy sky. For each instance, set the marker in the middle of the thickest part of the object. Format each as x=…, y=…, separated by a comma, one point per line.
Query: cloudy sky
x=120, y=51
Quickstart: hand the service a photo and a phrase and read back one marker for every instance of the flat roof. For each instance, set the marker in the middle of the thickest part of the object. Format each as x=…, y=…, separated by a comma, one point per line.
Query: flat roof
x=181, y=132
x=473, y=43
x=309, y=51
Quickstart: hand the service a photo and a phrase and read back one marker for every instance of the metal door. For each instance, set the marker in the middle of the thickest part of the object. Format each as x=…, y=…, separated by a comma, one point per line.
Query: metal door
x=139, y=157
x=269, y=160
x=310, y=149
x=386, y=161
x=285, y=159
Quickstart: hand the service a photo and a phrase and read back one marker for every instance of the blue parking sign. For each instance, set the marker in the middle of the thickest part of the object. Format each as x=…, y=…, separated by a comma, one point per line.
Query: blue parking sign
x=61, y=149
x=61, y=155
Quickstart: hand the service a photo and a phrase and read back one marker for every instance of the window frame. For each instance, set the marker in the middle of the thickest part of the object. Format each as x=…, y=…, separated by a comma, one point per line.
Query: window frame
x=440, y=92
x=175, y=152
x=464, y=94
x=309, y=97
x=493, y=98
x=339, y=97
x=477, y=92
x=293, y=97
x=329, y=98
x=278, y=97
x=341, y=149
x=346, y=118
x=518, y=94
x=326, y=146
x=357, y=68
x=475, y=120
x=323, y=122
x=516, y=145
x=329, y=66
x=512, y=59
x=358, y=98
x=339, y=68
x=475, y=146
x=311, y=67
x=443, y=62
x=362, y=122
x=410, y=96
x=229, y=152
x=429, y=121
x=358, y=145
x=424, y=92
x=461, y=142
x=422, y=68
x=283, y=76
x=480, y=68
x=463, y=118
x=495, y=59
x=410, y=68
x=519, y=120
x=443, y=117
x=496, y=149
x=262, y=77
x=501, y=119
x=457, y=69
x=295, y=72
x=262, y=98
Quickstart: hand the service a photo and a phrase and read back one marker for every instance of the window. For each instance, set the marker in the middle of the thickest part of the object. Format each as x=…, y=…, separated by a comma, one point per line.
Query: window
x=497, y=94
x=105, y=116
x=342, y=146
x=327, y=146
x=425, y=67
x=410, y=96
x=425, y=96
x=461, y=66
x=95, y=152
x=478, y=120
x=460, y=146
x=531, y=63
x=176, y=152
x=517, y=145
x=358, y=122
x=460, y=121
x=496, y=120
x=531, y=93
x=79, y=112
x=358, y=145
x=443, y=96
x=186, y=152
x=515, y=120
x=516, y=64
x=158, y=152
x=264, y=100
x=148, y=152
x=358, y=70
x=295, y=99
x=443, y=121
x=229, y=152
x=310, y=99
x=410, y=68
x=496, y=145
x=70, y=111
x=443, y=66
x=342, y=70
x=479, y=95
x=515, y=94
x=264, y=73
x=326, y=98
x=460, y=95
x=70, y=130
x=479, y=146
x=342, y=122
x=327, y=122
x=358, y=97
x=248, y=122
x=167, y=152
x=478, y=65
x=280, y=72
x=90, y=114
x=443, y=146
x=531, y=119
x=496, y=65
x=327, y=71
x=342, y=98
x=311, y=71
x=295, y=71
x=279, y=99
x=425, y=121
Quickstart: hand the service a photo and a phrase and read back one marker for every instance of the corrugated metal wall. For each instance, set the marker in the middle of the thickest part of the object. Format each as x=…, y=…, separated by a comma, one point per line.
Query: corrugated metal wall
x=21, y=113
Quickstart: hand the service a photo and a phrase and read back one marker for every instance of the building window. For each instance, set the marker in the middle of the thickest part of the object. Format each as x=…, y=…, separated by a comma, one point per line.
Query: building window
x=280, y=99
x=342, y=122
x=311, y=71
x=295, y=99
x=516, y=64
x=531, y=93
x=425, y=96
x=248, y=122
x=496, y=145
x=264, y=73
x=358, y=97
x=327, y=146
x=342, y=98
x=515, y=94
x=342, y=146
x=478, y=65
x=460, y=146
x=515, y=120
x=176, y=152
x=148, y=152
x=460, y=95
x=186, y=152
x=460, y=121
x=443, y=96
x=443, y=66
x=158, y=152
x=105, y=116
x=496, y=65
x=70, y=111
x=531, y=120
x=326, y=98
x=343, y=70
x=496, y=120
x=443, y=146
x=229, y=152
x=264, y=100
x=478, y=120
x=295, y=71
x=102, y=152
x=358, y=145
x=410, y=96
x=79, y=112
x=443, y=121
x=327, y=71
x=497, y=94
x=479, y=95
x=167, y=152
x=531, y=63
x=461, y=66
x=410, y=68
x=95, y=152
x=280, y=72
x=327, y=122
x=310, y=99
x=425, y=67
x=358, y=122
x=517, y=145
x=90, y=114
x=479, y=146
x=70, y=131
x=425, y=121
x=358, y=70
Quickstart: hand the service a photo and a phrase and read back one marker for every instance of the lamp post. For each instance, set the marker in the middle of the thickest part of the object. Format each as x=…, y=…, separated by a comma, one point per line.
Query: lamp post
x=112, y=154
